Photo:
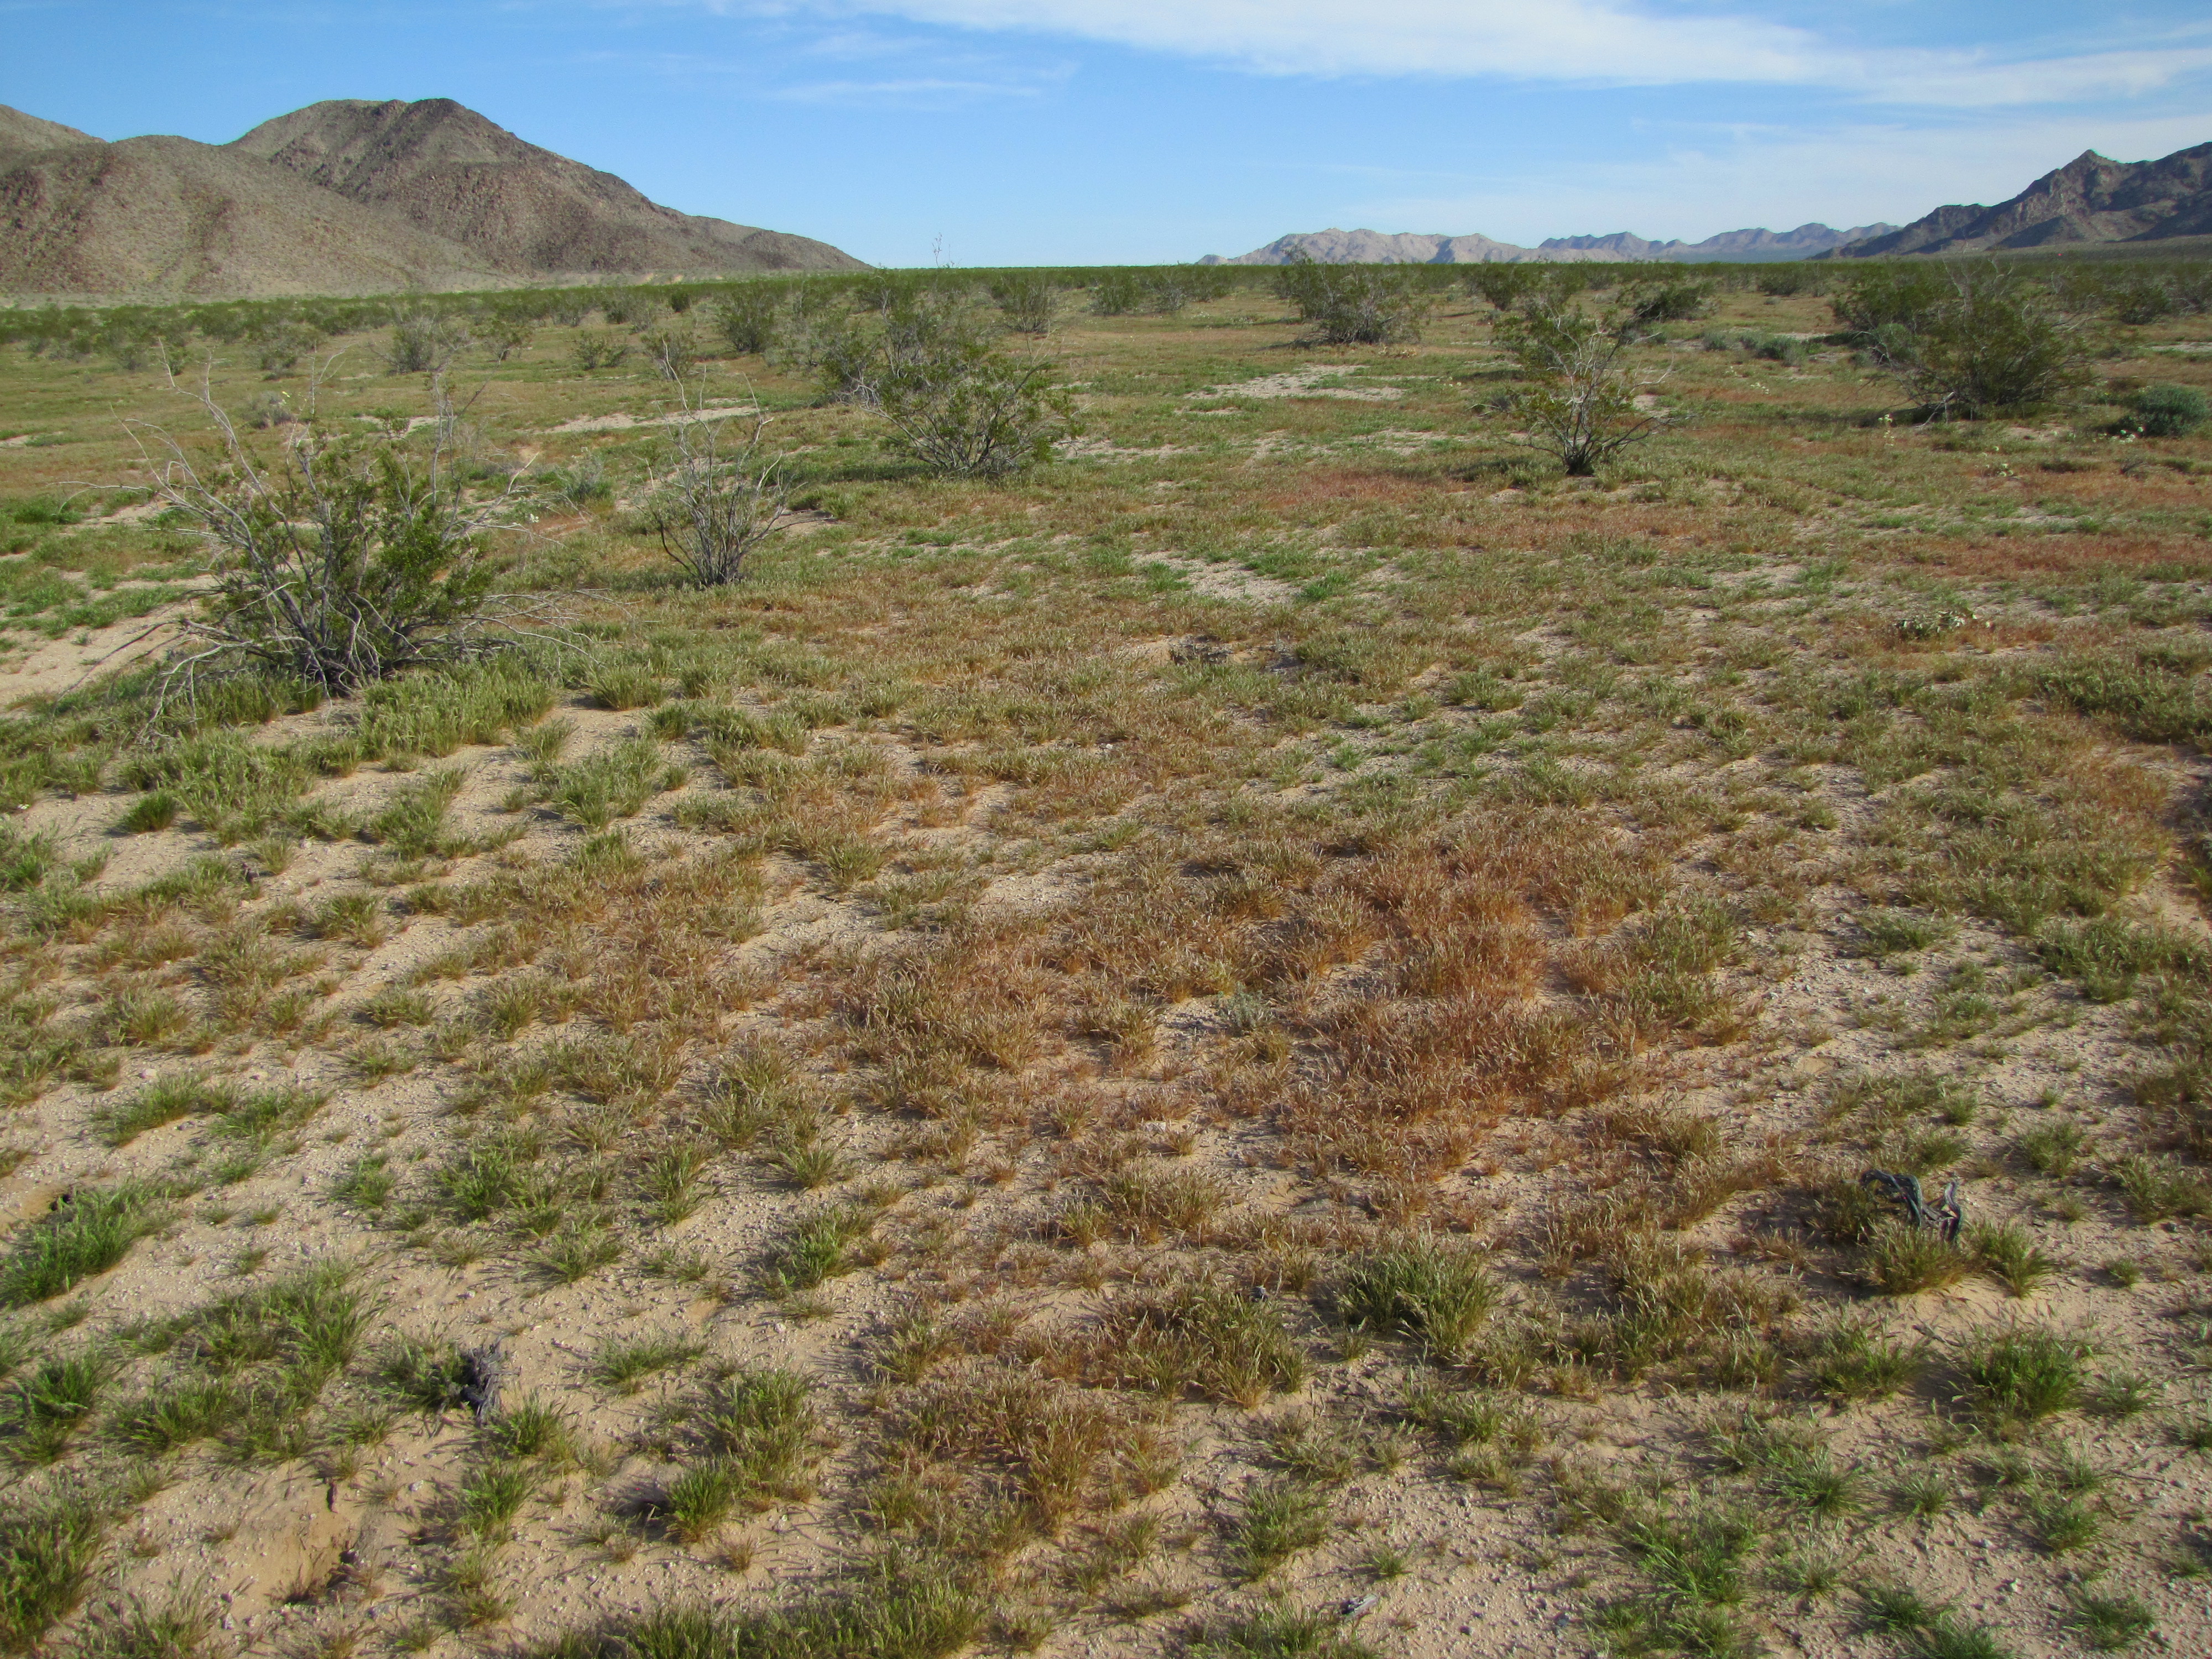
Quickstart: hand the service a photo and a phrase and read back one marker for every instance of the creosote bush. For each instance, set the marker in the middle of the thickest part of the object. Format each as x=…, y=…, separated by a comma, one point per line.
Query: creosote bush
x=341, y=561
x=966, y=410
x=1981, y=340
x=1586, y=406
x=1358, y=305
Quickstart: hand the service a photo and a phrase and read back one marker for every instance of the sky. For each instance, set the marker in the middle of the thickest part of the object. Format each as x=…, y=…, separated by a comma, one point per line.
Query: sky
x=989, y=132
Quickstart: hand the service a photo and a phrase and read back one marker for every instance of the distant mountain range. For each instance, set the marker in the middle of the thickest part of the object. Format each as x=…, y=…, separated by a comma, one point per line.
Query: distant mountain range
x=1377, y=247
x=2093, y=198
x=343, y=197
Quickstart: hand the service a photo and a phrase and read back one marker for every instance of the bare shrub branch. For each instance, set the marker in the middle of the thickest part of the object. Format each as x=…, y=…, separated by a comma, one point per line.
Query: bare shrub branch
x=716, y=499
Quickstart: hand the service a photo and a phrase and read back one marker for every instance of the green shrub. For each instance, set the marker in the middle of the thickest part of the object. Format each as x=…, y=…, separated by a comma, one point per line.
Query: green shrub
x=344, y=559
x=964, y=408
x=1583, y=408
x=1025, y=299
x=1357, y=305
x=1988, y=342
x=1667, y=299
x=2170, y=412
x=745, y=318
x=1887, y=295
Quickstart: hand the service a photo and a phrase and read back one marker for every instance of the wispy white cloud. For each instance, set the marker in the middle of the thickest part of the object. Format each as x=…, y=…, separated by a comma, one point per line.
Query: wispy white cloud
x=1583, y=41
x=936, y=80
x=921, y=91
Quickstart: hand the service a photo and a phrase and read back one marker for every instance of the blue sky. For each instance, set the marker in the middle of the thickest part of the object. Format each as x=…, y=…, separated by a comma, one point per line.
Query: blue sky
x=1096, y=131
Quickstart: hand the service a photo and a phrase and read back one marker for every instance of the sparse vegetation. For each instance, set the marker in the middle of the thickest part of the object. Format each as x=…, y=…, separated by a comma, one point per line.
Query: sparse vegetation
x=1021, y=1074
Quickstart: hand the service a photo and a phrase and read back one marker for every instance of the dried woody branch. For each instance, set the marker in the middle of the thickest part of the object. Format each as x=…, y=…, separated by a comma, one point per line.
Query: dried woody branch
x=717, y=498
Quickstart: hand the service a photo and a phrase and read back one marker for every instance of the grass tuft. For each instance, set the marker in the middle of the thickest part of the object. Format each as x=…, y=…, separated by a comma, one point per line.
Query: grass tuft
x=1424, y=1289
x=85, y=1233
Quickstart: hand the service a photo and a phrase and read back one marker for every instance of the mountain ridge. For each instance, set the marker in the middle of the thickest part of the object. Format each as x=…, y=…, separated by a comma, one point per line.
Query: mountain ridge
x=22, y=134
x=429, y=195
x=457, y=174
x=2091, y=199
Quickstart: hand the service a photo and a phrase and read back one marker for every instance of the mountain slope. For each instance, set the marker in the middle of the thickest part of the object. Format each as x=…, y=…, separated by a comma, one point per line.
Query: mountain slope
x=26, y=134
x=169, y=215
x=2093, y=198
x=1333, y=247
x=450, y=172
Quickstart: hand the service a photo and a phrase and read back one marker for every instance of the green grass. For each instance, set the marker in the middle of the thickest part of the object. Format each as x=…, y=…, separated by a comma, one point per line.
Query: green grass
x=1899, y=1259
x=1277, y=1520
x=615, y=783
x=1426, y=1290
x=177, y=1414
x=491, y=1496
x=531, y=1428
x=48, y=1544
x=1856, y=1361
x=82, y=1238
x=2022, y=1372
x=1195, y=1336
x=815, y=1251
x=894, y=1608
x=179, y=1623
x=163, y=1101
x=312, y=1322
x=2111, y=1624
x=43, y=1408
x=1277, y=1632
x=2006, y=1252
x=624, y=1363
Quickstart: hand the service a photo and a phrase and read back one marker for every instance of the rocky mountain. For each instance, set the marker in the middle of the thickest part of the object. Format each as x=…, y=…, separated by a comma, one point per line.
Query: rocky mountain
x=1377, y=247
x=341, y=199
x=448, y=170
x=2093, y=198
x=168, y=217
